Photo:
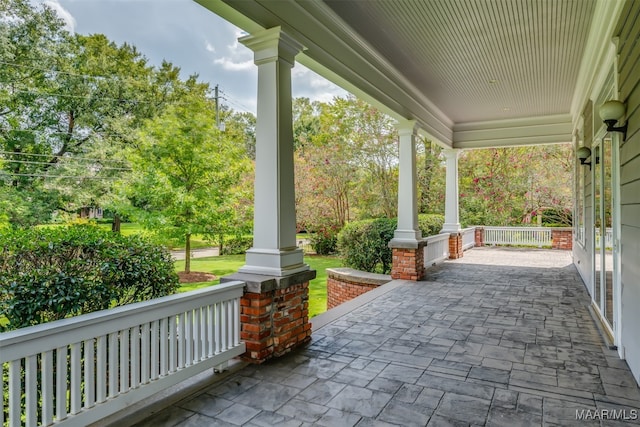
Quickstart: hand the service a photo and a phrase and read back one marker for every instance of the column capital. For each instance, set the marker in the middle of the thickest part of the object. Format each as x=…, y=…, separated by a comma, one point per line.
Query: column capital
x=451, y=152
x=272, y=44
x=407, y=127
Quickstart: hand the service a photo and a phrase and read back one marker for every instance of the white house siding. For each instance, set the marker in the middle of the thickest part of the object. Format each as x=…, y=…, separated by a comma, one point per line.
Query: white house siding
x=628, y=31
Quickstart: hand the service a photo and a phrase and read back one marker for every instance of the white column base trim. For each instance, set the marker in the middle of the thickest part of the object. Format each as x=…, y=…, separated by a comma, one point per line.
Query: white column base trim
x=274, y=262
x=451, y=228
x=407, y=235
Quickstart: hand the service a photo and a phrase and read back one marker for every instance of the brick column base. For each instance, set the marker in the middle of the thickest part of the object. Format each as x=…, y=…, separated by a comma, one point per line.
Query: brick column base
x=274, y=314
x=455, y=246
x=479, y=237
x=562, y=238
x=408, y=263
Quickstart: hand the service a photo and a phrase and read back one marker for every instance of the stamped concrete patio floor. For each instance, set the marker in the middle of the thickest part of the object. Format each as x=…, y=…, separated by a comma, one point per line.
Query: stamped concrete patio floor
x=501, y=337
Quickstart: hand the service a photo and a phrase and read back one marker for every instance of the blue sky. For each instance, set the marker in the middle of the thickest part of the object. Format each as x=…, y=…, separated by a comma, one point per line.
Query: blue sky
x=189, y=36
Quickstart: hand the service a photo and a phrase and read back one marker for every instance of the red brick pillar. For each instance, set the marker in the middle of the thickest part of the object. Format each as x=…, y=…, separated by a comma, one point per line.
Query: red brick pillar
x=479, y=236
x=274, y=314
x=408, y=262
x=455, y=246
x=562, y=238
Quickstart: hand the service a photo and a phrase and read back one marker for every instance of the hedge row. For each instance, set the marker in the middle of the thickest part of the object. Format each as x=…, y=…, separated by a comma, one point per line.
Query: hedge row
x=364, y=245
x=52, y=273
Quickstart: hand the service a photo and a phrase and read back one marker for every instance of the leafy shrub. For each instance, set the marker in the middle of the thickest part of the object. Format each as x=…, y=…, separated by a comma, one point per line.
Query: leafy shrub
x=237, y=245
x=325, y=241
x=430, y=224
x=52, y=273
x=363, y=245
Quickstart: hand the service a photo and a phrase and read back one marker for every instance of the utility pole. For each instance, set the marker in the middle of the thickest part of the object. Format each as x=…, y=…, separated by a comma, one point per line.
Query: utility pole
x=217, y=108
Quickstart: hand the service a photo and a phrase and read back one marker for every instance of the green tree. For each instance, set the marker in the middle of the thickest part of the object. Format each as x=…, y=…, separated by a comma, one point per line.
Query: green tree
x=184, y=171
x=68, y=105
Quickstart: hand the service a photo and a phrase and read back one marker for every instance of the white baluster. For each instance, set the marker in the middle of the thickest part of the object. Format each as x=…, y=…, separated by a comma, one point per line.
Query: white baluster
x=113, y=364
x=124, y=360
x=134, y=358
x=89, y=374
x=101, y=369
x=47, y=387
x=31, y=390
x=145, y=354
x=61, y=383
x=15, y=393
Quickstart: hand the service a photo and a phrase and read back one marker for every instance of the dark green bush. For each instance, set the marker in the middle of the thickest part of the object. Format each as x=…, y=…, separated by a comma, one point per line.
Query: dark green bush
x=430, y=224
x=52, y=273
x=237, y=245
x=363, y=245
x=325, y=241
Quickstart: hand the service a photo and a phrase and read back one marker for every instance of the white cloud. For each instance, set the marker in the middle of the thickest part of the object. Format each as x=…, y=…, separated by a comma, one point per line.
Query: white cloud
x=231, y=65
x=64, y=14
x=209, y=47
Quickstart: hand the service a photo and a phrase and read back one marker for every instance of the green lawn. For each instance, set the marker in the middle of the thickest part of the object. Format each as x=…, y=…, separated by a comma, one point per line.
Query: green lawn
x=223, y=265
x=129, y=228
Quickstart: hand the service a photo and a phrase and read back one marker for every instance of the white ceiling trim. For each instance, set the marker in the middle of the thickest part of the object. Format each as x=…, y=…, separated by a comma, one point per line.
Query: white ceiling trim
x=556, y=129
x=597, y=50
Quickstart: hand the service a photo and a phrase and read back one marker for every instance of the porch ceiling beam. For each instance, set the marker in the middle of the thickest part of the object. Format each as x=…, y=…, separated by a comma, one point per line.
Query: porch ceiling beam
x=556, y=129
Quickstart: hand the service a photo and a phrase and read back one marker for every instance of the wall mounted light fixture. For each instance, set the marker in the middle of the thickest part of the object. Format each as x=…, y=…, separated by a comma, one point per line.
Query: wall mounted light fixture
x=583, y=154
x=610, y=113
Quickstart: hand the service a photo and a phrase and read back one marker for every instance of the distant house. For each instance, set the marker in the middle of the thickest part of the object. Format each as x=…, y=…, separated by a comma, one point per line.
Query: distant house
x=91, y=212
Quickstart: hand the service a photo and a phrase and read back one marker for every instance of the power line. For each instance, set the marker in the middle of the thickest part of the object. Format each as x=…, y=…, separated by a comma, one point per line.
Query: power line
x=28, y=162
x=37, y=175
x=62, y=156
x=85, y=76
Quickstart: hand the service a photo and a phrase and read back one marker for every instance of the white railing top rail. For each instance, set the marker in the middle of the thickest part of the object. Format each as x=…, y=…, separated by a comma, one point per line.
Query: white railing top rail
x=52, y=335
x=515, y=228
x=437, y=238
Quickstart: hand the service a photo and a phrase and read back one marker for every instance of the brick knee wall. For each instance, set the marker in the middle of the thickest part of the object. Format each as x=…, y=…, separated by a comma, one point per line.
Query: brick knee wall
x=339, y=291
x=344, y=284
x=562, y=239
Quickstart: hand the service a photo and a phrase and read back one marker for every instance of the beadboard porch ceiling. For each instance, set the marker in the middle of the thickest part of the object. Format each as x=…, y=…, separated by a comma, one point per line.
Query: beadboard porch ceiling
x=473, y=73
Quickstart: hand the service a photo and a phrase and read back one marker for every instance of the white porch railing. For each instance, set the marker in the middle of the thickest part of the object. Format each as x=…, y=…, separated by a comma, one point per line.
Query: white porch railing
x=468, y=238
x=608, y=238
x=79, y=370
x=517, y=236
x=437, y=249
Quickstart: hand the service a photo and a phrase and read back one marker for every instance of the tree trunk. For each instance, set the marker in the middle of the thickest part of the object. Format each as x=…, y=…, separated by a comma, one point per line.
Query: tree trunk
x=187, y=254
x=115, y=225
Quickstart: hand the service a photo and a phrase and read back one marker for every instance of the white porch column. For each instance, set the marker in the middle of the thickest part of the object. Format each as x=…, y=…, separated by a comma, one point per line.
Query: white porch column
x=408, y=230
x=274, y=250
x=451, y=212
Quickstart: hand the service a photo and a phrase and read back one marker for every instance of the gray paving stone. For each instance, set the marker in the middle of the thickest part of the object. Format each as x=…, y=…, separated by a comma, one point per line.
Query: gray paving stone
x=456, y=386
x=408, y=393
x=238, y=414
x=267, y=396
x=464, y=408
x=171, y=416
x=321, y=392
x=206, y=404
x=199, y=420
x=405, y=414
x=440, y=421
x=336, y=418
x=385, y=385
x=270, y=419
x=489, y=374
x=501, y=417
x=301, y=410
x=361, y=401
x=401, y=373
